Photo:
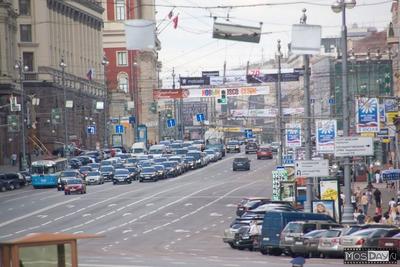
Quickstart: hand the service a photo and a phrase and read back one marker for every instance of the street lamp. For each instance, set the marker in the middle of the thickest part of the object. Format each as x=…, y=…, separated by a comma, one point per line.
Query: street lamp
x=340, y=7
x=279, y=103
x=105, y=63
x=22, y=69
x=63, y=65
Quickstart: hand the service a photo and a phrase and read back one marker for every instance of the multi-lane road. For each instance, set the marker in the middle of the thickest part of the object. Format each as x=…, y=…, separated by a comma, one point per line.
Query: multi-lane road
x=174, y=222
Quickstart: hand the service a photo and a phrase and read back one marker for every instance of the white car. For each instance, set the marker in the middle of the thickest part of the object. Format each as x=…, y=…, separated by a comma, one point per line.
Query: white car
x=94, y=177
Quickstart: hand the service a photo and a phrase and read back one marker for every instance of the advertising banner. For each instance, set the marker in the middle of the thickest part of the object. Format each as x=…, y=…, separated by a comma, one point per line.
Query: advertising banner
x=266, y=113
x=278, y=176
x=324, y=207
x=167, y=93
x=325, y=135
x=288, y=191
x=329, y=190
x=231, y=91
x=293, y=135
x=189, y=81
x=368, y=117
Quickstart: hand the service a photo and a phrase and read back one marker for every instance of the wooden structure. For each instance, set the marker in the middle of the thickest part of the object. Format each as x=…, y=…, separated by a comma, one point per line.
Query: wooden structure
x=42, y=249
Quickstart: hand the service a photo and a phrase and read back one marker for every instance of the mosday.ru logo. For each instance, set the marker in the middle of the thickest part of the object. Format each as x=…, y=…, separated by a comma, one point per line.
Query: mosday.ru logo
x=378, y=255
x=374, y=256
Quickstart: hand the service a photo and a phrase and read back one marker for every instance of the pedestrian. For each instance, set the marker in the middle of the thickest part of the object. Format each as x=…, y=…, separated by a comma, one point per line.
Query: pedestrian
x=378, y=177
x=358, y=194
x=377, y=196
x=354, y=201
x=360, y=217
x=392, y=203
x=364, y=203
x=13, y=159
x=255, y=233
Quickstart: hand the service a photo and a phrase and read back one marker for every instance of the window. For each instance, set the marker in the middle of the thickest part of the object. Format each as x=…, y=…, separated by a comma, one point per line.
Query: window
x=122, y=59
x=123, y=83
x=25, y=7
x=25, y=32
x=28, y=60
x=120, y=9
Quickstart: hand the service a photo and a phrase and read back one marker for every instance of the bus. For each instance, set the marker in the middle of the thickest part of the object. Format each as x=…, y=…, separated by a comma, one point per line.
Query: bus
x=45, y=172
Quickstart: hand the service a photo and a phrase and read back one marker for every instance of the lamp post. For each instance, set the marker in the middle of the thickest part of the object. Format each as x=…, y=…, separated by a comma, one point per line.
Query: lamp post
x=279, y=104
x=340, y=7
x=19, y=66
x=63, y=65
x=105, y=63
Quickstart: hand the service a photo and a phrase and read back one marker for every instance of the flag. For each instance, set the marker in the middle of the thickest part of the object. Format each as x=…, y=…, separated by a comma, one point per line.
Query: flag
x=89, y=74
x=175, y=21
x=170, y=14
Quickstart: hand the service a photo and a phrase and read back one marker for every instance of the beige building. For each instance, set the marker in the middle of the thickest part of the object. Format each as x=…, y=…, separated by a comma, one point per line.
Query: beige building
x=131, y=75
x=49, y=32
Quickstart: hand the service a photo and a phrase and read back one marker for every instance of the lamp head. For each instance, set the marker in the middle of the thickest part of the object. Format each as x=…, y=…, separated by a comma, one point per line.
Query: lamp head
x=62, y=63
x=26, y=68
x=337, y=7
x=350, y=3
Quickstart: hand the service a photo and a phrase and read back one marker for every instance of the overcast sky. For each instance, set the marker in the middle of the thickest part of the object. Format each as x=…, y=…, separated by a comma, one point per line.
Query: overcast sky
x=190, y=48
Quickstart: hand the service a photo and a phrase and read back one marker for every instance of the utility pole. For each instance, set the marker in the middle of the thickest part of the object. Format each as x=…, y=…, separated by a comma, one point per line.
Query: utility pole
x=307, y=125
x=279, y=104
x=63, y=66
x=181, y=124
x=175, y=111
x=105, y=63
x=19, y=66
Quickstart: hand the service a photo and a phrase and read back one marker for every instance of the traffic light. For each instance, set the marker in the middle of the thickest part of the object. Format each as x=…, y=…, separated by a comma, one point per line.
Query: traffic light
x=13, y=123
x=153, y=107
x=55, y=116
x=222, y=100
x=169, y=114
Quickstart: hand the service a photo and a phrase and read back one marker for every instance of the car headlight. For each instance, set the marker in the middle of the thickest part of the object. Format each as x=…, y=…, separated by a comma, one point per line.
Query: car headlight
x=236, y=146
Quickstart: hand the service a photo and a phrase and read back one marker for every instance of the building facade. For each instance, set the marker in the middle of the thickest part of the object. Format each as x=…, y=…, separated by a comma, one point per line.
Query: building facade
x=130, y=73
x=50, y=33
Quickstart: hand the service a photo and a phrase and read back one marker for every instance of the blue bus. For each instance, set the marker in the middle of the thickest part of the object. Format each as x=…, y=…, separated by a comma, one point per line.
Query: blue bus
x=45, y=172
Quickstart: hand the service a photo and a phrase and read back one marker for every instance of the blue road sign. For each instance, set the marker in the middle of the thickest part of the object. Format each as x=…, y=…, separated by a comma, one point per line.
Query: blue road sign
x=288, y=160
x=331, y=101
x=200, y=117
x=132, y=120
x=91, y=129
x=119, y=129
x=171, y=123
x=248, y=133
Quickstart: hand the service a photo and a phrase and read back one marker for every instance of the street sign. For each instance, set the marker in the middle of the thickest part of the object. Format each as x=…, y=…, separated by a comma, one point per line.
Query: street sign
x=248, y=133
x=171, y=123
x=288, y=160
x=383, y=132
x=91, y=129
x=353, y=146
x=331, y=101
x=312, y=168
x=200, y=117
x=210, y=73
x=119, y=129
x=194, y=81
x=132, y=120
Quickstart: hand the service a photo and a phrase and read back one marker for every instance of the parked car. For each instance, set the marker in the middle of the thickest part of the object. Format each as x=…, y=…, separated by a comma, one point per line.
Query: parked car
x=307, y=245
x=390, y=242
x=373, y=240
x=94, y=177
x=108, y=172
x=148, y=174
x=360, y=238
x=190, y=162
x=3, y=186
x=65, y=175
x=243, y=239
x=250, y=203
x=13, y=180
x=122, y=176
x=264, y=152
x=329, y=243
x=241, y=164
x=233, y=146
x=74, y=186
x=27, y=176
x=251, y=147
x=229, y=234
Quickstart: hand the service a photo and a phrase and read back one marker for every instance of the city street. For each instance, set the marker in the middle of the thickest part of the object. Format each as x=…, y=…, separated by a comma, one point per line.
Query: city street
x=179, y=221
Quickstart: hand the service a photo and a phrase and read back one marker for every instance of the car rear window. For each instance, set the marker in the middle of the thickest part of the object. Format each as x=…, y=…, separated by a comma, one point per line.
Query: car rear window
x=233, y=143
x=364, y=232
x=332, y=233
x=265, y=149
x=292, y=228
x=240, y=159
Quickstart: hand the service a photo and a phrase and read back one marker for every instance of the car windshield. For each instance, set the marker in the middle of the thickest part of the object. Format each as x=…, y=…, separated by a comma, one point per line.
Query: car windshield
x=148, y=170
x=332, y=233
x=241, y=160
x=210, y=152
x=233, y=143
x=85, y=168
x=159, y=167
x=292, y=228
x=138, y=150
x=131, y=169
x=94, y=174
x=156, y=151
x=68, y=174
x=188, y=159
x=146, y=163
x=195, y=155
x=175, y=159
x=169, y=164
x=265, y=149
x=74, y=181
x=106, y=169
x=131, y=160
x=364, y=232
x=94, y=165
x=314, y=233
x=121, y=171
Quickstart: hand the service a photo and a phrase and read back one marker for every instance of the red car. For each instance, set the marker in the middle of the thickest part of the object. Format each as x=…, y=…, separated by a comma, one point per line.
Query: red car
x=74, y=186
x=390, y=242
x=264, y=152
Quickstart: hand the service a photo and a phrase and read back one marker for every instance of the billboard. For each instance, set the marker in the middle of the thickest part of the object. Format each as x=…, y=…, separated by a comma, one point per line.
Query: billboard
x=326, y=131
x=293, y=135
x=265, y=113
x=368, y=117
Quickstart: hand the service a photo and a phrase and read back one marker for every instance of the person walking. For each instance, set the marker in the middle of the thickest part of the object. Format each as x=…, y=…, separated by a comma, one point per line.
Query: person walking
x=14, y=159
x=255, y=233
x=378, y=199
x=364, y=203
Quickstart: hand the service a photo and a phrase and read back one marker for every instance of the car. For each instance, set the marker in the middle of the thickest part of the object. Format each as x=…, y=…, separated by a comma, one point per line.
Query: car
x=13, y=180
x=85, y=160
x=181, y=163
x=108, y=172
x=241, y=164
x=329, y=243
x=122, y=176
x=148, y=174
x=94, y=177
x=242, y=237
x=250, y=203
x=198, y=157
x=251, y=147
x=96, y=155
x=3, y=186
x=390, y=242
x=373, y=240
x=74, y=186
x=94, y=166
x=275, y=146
x=360, y=238
x=212, y=154
x=190, y=162
x=229, y=234
x=159, y=160
x=134, y=172
x=307, y=245
x=27, y=176
x=264, y=152
x=146, y=163
x=233, y=146
x=171, y=168
x=74, y=163
x=199, y=144
x=84, y=170
x=181, y=151
x=161, y=171
x=65, y=175
x=158, y=151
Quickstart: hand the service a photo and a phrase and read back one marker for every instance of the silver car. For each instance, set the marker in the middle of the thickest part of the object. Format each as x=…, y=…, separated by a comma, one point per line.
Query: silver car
x=329, y=243
x=94, y=177
x=356, y=239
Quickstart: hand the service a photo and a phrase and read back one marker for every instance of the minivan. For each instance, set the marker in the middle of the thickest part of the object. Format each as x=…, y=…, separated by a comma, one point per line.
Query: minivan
x=158, y=151
x=275, y=222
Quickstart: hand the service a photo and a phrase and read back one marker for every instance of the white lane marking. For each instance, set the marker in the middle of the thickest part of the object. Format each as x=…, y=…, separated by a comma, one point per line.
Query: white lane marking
x=10, y=209
x=126, y=238
x=21, y=231
x=37, y=212
x=90, y=221
x=119, y=209
x=42, y=216
x=149, y=204
x=70, y=206
x=188, y=204
x=213, y=225
x=148, y=231
x=168, y=214
x=187, y=236
x=181, y=231
x=46, y=223
x=126, y=214
x=78, y=232
x=112, y=205
x=215, y=214
x=127, y=231
x=231, y=205
x=86, y=214
x=5, y=236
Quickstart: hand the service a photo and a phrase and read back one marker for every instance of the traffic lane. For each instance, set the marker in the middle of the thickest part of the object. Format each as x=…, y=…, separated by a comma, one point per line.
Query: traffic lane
x=60, y=215
x=188, y=211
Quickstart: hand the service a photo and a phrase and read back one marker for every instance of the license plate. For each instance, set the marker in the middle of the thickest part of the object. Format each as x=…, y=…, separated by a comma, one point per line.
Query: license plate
x=389, y=244
x=288, y=238
x=299, y=243
x=72, y=189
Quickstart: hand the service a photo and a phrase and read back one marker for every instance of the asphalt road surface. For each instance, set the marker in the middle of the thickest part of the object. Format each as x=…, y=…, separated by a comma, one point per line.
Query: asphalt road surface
x=174, y=222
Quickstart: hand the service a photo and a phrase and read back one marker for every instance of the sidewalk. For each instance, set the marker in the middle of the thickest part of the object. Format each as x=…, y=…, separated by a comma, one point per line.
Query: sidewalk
x=9, y=168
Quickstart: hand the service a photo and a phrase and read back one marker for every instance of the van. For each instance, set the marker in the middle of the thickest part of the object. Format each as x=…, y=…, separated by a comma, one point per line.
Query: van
x=294, y=231
x=139, y=148
x=157, y=151
x=275, y=222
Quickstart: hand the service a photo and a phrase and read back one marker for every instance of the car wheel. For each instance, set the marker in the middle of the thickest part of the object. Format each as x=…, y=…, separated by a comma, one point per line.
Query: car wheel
x=3, y=188
x=129, y=181
x=65, y=193
x=264, y=251
x=17, y=186
x=140, y=181
x=12, y=187
x=232, y=245
x=114, y=183
x=276, y=251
